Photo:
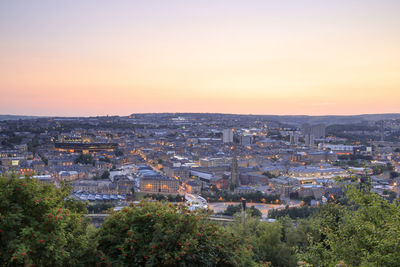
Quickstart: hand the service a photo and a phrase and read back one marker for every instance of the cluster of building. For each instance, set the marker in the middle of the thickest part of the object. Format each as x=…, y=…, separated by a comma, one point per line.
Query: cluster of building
x=188, y=153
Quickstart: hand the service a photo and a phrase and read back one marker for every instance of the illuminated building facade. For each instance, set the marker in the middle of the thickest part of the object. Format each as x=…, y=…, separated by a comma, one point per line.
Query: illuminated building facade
x=85, y=147
x=159, y=184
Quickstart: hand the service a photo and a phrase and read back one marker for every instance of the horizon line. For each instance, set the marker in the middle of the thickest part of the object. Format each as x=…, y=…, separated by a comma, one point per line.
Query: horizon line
x=216, y=113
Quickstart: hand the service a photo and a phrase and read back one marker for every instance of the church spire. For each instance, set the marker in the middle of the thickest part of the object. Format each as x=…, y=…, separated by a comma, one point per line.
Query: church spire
x=234, y=182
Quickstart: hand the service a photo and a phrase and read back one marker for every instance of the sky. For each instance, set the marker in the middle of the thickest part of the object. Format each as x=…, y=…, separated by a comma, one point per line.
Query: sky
x=292, y=57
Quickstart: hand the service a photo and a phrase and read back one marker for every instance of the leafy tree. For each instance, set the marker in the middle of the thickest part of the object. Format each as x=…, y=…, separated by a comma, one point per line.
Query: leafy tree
x=392, y=195
x=266, y=241
x=97, y=177
x=133, y=190
x=84, y=159
x=155, y=234
x=37, y=227
x=293, y=212
x=105, y=175
x=270, y=175
x=161, y=197
x=254, y=212
x=232, y=187
x=119, y=153
x=270, y=247
x=379, y=169
x=364, y=233
x=296, y=237
x=232, y=209
x=44, y=159
x=100, y=207
x=33, y=144
x=224, y=195
x=105, y=159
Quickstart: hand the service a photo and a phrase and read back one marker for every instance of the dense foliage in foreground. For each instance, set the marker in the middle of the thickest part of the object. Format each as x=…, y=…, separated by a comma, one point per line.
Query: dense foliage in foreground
x=366, y=232
x=163, y=234
x=40, y=226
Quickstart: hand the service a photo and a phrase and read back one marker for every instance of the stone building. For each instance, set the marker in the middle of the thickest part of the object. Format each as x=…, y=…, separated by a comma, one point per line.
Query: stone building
x=159, y=184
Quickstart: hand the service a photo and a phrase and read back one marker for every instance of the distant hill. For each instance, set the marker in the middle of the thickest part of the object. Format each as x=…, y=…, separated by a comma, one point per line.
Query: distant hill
x=301, y=119
x=333, y=119
x=285, y=119
x=15, y=117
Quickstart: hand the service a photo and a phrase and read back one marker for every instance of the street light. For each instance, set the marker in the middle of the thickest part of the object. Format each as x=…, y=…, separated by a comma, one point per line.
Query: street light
x=244, y=204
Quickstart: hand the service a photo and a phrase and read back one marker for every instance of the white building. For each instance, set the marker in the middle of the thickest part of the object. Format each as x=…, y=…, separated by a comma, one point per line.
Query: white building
x=227, y=136
x=342, y=148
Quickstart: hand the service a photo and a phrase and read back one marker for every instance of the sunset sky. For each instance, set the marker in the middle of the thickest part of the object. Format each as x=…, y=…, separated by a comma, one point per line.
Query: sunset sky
x=80, y=58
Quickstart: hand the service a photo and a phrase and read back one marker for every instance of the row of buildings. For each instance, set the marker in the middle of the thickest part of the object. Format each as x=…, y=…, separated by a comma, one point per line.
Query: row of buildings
x=185, y=153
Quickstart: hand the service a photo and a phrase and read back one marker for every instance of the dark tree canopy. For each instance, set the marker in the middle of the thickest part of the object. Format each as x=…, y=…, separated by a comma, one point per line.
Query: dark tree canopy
x=155, y=234
x=38, y=227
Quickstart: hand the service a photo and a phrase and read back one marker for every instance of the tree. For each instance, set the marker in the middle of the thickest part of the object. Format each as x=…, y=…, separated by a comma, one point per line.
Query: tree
x=293, y=212
x=105, y=175
x=269, y=174
x=155, y=234
x=232, y=187
x=100, y=207
x=392, y=195
x=364, y=233
x=84, y=159
x=105, y=159
x=394, y=174
x=266, y=241
x=133, y=190
x=45, y=160
x=271, y=248
x=38, y=227
x=33, y=144
x=254, y=212
x=232, y=209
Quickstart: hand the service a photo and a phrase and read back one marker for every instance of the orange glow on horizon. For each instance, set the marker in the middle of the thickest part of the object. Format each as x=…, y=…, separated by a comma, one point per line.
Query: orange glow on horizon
x=266, y=58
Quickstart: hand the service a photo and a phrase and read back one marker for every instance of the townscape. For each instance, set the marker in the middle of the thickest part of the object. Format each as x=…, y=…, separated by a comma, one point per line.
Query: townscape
x=199, y=133
x=213, y=158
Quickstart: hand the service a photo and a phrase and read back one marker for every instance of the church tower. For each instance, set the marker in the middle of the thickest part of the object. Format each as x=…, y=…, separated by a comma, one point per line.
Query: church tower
x=234, y=182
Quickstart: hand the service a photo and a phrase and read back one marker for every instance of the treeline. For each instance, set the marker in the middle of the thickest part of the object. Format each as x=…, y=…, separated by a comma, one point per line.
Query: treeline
x=100, y=207
x=355, y=157
x=345, y=131
x=231, y=210
x=161, y=197
x=41, y=226
x=226, y=196
x=294, y=213
x=334, y=128
x=379, y=169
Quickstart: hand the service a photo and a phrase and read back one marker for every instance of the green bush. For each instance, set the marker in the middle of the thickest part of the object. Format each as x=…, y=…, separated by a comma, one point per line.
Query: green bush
x=38, y=227
x=366, y=232
x=155, y=234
